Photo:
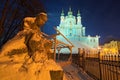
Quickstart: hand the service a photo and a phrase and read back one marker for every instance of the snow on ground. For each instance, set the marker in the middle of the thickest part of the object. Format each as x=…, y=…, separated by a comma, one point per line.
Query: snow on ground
x=73, y=73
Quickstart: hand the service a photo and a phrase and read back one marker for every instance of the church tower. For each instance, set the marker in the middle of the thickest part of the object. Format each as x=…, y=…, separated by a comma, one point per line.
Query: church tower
x=78, y=18
x=62, y=17
x=80, y=24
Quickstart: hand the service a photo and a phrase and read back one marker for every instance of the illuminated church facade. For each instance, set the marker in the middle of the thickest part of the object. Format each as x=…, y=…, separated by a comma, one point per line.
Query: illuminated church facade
x=71, y=27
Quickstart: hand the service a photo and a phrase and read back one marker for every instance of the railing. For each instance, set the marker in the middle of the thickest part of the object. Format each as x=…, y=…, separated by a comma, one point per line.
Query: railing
x=100, y=67
x=110, y=67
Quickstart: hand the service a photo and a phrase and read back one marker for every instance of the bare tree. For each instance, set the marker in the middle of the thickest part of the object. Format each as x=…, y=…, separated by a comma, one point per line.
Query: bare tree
x=13, y=12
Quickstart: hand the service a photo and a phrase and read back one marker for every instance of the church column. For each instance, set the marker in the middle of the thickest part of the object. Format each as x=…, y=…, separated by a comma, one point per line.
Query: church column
x=83, y=31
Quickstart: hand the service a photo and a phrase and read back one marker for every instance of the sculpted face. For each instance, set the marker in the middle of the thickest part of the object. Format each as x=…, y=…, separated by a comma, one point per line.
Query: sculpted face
x=41, y=19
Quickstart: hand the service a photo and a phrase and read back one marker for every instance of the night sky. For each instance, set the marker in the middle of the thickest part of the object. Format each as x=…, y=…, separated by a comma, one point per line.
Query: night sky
x=100, y=17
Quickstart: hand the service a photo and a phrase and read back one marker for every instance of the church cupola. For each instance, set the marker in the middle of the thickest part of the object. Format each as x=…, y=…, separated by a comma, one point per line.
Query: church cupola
x=70, y=12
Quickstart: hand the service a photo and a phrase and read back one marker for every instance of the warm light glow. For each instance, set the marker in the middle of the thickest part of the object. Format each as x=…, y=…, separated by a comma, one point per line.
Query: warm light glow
x=111, y=48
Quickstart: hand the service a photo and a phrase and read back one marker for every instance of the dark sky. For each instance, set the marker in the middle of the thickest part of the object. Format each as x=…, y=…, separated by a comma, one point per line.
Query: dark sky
x=100, y=17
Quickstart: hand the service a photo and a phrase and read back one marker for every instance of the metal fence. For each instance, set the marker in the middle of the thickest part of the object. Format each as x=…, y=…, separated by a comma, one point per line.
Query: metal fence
x=100, y=67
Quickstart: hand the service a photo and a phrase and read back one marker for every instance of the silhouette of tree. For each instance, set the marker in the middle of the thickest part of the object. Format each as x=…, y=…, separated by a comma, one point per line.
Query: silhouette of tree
x=12, y=14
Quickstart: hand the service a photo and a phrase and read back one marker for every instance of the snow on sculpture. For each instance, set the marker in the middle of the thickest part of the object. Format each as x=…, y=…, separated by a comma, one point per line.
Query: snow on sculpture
x=28, y=55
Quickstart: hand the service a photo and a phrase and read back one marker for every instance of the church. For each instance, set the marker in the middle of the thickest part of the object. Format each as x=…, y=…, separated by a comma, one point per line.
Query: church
x=71, y=27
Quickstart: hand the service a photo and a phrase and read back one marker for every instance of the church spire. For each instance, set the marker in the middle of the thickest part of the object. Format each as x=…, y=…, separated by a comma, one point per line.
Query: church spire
x=70, y=9
x=62, y=14
x=78, y=13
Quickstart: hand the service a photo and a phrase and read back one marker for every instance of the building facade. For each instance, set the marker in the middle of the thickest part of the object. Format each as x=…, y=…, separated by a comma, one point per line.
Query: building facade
x=71, y=27
x=113, y=47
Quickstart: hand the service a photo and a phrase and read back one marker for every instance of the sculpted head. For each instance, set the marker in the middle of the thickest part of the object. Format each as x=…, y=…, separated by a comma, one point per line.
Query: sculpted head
x=41, y=18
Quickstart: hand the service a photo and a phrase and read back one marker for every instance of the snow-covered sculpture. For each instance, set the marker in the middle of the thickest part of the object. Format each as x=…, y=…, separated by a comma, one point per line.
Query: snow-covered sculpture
x=29, y=54
x=30, y=39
